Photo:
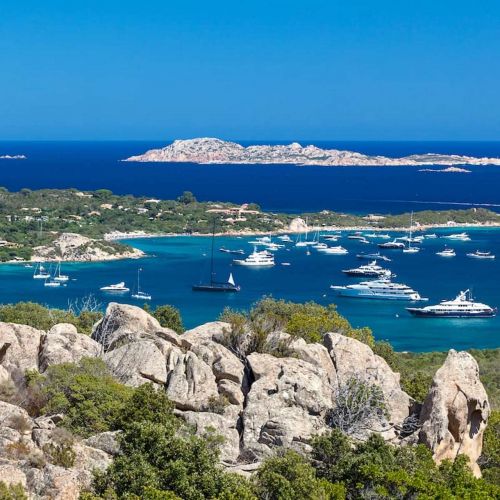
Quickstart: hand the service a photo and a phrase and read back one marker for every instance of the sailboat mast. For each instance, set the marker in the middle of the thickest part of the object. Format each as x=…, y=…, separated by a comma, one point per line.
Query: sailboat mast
x=212, y=255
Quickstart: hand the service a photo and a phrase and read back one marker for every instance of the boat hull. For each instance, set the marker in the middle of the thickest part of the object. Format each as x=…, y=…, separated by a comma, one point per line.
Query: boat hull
x=228, y=288
x=366, y=295
x=422, y=313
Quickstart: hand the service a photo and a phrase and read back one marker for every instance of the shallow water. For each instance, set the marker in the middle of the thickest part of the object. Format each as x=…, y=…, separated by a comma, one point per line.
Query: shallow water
x=176, y=263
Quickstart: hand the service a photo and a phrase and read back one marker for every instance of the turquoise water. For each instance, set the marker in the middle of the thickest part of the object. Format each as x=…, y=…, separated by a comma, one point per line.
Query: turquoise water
x=176, y=263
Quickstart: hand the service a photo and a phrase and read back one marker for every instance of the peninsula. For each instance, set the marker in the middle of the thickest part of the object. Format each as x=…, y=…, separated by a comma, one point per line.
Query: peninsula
x=216, y=151
x=72, y=225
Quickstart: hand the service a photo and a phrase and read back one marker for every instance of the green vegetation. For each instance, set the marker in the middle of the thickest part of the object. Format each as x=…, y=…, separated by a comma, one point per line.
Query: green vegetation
x=12, y=492
x=168, y=317
x=490, y=459
x=32, y=218
x=253, y=331
x=91, y=400
x=44, y=318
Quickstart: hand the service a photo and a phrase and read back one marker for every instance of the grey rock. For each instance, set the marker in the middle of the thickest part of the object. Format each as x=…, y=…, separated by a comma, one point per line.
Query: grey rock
x=456, y=410
x=137, y=363
x=63, y=344
x=105, y=441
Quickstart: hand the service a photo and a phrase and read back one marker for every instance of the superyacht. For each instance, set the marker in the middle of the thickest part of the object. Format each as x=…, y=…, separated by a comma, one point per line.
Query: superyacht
x=463, y=306
x=378, y=289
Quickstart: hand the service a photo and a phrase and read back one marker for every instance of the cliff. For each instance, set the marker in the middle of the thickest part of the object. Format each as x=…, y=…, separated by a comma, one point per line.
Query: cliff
x=210, y=150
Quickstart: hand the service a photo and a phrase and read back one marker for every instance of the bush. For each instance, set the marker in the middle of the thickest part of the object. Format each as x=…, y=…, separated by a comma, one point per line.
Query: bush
x=161, y=458
x=91, y=400
x=168, y=317
x=289, y=476
x=12, y=492
x=359, y=407
x=44, y=318
x=490, y=458
x=375, y=469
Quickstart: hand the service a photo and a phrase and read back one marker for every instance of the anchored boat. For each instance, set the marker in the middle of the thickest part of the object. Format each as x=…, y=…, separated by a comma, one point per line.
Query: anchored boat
x=463, y=306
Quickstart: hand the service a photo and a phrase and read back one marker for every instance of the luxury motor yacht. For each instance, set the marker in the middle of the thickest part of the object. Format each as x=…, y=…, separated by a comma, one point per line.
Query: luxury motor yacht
x=373, y=256
x=458, y=237
x=481, y=255
x=378, y=289
x=447, y=252
x=463, y=306
x=338, y=250
x=394, y=244
x=118, y=288
x=257, y=259
x=370, y=270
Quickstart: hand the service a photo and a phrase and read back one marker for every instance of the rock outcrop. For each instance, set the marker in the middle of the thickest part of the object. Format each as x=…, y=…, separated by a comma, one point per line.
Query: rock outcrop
x=352, y=358
x=124, y=324
x=456, y=410
x=63, y=344
x=19, y=346
x=77, y=248
x=257, y=403
x=286, y=405
x=206, y=150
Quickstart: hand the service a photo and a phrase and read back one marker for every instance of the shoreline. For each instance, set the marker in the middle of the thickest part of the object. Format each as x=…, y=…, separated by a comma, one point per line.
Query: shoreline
x=132, y=236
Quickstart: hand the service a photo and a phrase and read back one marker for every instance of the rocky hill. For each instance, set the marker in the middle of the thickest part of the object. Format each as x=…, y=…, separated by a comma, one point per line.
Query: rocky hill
x=209, y=150
x=77, y=248
x=258, y=403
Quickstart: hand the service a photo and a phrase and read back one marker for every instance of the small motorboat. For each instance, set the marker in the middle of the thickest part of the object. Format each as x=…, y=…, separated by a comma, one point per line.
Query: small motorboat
x=480, y=255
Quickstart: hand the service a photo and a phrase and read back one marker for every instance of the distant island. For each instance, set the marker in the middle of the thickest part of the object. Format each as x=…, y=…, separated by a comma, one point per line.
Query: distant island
x=13, y=157
x=455, y=170
x=216, y=151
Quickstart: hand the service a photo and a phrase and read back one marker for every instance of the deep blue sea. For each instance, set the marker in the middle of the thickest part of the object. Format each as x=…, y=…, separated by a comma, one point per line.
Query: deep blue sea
x=93, y=165
x=176, y=263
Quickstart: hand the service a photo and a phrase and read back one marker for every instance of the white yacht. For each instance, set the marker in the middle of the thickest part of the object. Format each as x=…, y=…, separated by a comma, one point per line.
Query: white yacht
x=447, y=252
x=40, y=272
x=410, y=249
x=50, y=282
x=140, y=294
x=58, y=276
x=431, y=236
x=458, y=237
x=257, y=259
x=320, y=246
x=338, y=250
x=394, y=244
x=372, y=269
x=378, y=289
x=118, y=288
x=463, y=306
x=480, y=255
x=373, y=256
x=285, y=238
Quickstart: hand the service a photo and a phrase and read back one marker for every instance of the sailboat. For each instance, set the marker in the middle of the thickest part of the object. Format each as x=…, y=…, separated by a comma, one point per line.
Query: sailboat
x=40, y=272
x=409, y=248
x=140, y=294
x=213, y=285
x=58, y=276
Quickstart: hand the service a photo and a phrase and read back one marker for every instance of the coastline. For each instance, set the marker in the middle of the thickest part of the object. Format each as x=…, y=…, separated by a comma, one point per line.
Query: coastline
x=130, y=236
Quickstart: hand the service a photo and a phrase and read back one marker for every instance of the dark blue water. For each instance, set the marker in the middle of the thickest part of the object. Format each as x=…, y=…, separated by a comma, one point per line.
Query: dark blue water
x=93, y=165
x=176, y=263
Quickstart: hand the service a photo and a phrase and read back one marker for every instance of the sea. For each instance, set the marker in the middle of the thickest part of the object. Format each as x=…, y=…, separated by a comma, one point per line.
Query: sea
x=175, y=263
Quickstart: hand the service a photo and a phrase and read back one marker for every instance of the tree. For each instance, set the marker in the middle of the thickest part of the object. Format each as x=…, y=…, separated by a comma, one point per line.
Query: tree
x=289, y=476
x=168, y=317
x=490, y=458
x=160, y=456
x=186, y=198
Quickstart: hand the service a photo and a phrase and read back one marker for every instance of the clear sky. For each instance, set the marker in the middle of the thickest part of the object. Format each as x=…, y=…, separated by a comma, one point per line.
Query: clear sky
x=250, y=69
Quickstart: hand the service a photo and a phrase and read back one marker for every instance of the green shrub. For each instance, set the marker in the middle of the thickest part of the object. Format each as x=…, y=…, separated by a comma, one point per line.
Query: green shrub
x=90, y=398
x=168, y=317
x=12, y=492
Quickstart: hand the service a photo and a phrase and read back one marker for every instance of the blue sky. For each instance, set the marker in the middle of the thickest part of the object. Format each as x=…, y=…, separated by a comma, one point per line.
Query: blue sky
x=351, y=69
